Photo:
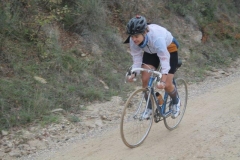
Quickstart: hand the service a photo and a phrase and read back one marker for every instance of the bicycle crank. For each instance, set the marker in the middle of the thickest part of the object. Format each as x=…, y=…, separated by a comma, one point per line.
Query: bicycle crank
x=157, y=116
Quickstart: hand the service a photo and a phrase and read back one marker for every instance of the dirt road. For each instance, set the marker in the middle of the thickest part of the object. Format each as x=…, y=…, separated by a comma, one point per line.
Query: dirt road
x=210, y=129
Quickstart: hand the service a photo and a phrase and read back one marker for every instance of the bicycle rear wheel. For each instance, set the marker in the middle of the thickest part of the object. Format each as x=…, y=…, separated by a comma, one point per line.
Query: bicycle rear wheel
x=134, y=129
x=172, y=123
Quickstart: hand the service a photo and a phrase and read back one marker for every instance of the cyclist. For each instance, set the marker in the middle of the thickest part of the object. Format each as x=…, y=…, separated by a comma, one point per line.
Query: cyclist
x=151, y=45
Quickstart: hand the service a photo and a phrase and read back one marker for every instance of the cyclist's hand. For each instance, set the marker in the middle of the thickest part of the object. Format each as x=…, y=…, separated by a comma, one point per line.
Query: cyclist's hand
x=161, y=85
x=131, y=78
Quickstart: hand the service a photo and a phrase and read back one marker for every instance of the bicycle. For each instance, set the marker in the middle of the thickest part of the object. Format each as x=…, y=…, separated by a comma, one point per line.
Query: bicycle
x=134, y=128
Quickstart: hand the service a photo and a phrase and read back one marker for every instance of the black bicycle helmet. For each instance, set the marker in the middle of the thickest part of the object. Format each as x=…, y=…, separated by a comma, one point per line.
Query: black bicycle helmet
x=136, y=25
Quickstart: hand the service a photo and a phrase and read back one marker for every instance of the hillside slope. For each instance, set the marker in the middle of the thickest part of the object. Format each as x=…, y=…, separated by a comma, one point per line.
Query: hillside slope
x=67, y=54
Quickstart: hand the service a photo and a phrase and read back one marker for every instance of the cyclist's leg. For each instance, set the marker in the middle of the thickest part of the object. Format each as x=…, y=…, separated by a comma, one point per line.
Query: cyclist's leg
x=170, y=88
x=149, y=61
x=145, y=75
x=145, y=79
x=169, y=83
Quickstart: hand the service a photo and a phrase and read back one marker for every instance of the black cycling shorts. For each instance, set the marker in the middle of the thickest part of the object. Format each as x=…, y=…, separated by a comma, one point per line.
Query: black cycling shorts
x=153, y=60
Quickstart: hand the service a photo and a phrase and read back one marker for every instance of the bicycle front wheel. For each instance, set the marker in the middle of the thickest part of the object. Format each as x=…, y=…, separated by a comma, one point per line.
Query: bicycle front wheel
x=134, y=128
x=172, y=123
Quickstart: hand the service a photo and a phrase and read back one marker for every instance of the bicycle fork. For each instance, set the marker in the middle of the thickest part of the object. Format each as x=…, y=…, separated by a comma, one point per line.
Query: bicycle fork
x=146, y=97
x=135, y=116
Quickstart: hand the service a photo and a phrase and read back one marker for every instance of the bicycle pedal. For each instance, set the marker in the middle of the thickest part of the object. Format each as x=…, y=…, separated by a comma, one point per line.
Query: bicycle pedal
x=157, y=117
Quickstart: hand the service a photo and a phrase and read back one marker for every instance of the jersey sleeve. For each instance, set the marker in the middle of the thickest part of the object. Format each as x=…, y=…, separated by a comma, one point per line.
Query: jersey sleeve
x=137, y=55
x=163, y=54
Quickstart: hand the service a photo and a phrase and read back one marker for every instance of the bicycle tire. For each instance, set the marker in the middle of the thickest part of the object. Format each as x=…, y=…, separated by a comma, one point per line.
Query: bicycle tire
x=172, y=123
x=133, y=128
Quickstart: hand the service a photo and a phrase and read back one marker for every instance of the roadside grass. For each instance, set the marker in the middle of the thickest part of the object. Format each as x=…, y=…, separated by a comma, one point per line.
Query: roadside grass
x=73, y=118
x=66, y=84
x=48, y=119
x=63, y=81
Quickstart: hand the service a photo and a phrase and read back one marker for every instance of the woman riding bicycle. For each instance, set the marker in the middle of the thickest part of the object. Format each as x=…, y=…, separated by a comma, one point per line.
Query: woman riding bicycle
x=150, y=46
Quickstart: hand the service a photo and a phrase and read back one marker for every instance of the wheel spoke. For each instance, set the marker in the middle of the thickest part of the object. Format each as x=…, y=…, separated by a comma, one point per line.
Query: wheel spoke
x=172, y=123
x=134, y=129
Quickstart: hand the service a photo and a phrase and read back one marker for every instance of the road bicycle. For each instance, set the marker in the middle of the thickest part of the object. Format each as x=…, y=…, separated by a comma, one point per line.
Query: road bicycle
x=134, y=128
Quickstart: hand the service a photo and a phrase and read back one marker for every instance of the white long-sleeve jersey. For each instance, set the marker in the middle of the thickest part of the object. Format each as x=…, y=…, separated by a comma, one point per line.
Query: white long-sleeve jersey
x=158, y=40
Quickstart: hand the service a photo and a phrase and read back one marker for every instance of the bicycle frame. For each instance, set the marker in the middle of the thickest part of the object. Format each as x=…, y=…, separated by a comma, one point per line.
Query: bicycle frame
x=161, y=108
x=150, y=87
x=135, y=126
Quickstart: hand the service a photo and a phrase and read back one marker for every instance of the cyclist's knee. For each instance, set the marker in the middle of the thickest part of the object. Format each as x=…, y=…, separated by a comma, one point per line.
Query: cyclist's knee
x=169, y=87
